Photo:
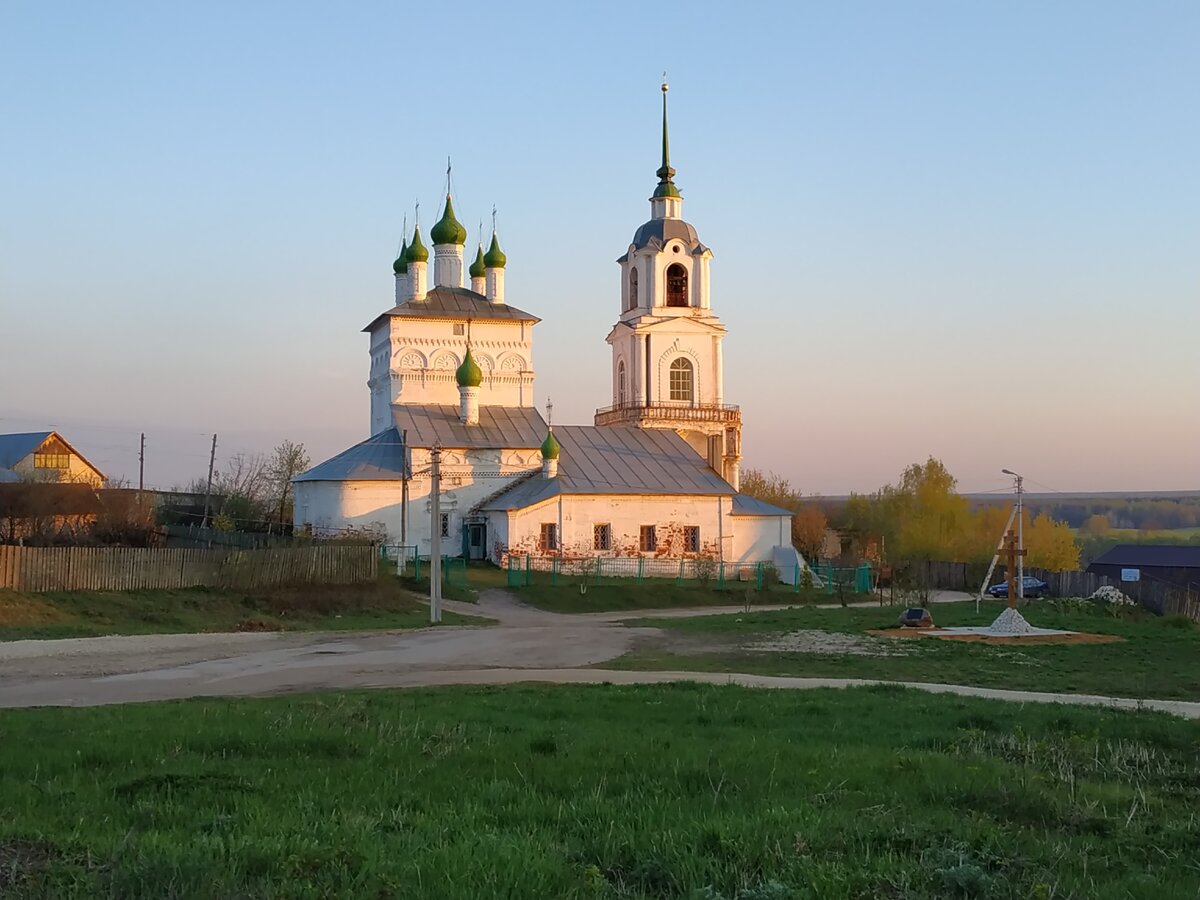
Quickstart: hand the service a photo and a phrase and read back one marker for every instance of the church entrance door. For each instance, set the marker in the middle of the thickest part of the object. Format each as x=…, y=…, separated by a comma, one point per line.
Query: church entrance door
x=476, y=540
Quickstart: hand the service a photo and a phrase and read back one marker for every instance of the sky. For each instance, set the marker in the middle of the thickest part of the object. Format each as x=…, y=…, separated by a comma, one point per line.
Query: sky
x=966, y=230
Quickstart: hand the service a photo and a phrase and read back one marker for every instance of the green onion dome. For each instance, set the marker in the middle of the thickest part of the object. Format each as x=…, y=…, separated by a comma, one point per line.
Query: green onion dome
x=400, y=266
x=495, y=258
x=550, y=446
x=469, y=374
x=448, y=230
x=477, y=269
x=416, y=250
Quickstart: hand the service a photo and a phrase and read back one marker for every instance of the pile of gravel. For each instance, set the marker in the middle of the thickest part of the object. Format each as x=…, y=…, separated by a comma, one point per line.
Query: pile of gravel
x=1009, y=623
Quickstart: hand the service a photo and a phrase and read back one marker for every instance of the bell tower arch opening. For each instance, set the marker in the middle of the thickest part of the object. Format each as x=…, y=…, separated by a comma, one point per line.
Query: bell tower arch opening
x=677, y=285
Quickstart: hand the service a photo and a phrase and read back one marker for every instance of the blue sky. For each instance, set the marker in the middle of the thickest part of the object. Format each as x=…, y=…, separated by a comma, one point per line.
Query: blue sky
x=917, y=211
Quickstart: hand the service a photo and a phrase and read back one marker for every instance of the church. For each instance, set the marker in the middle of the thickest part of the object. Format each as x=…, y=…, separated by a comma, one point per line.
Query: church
x=656, y=474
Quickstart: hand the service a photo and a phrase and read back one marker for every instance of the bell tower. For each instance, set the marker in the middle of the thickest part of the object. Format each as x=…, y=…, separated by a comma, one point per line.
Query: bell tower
x=666, y=344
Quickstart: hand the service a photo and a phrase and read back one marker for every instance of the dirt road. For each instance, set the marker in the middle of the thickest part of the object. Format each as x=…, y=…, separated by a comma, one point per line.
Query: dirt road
x=525, y=645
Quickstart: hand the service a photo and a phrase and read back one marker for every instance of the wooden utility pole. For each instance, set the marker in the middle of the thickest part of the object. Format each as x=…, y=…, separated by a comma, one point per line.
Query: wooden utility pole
x=141, y=465
x=212, y=458
x=435, y=536
x=404, y=491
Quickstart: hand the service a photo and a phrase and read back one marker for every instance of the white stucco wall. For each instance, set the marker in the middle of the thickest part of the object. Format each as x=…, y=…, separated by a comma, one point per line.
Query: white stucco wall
x=469, y=476
x=413, y=361
x=754, y=537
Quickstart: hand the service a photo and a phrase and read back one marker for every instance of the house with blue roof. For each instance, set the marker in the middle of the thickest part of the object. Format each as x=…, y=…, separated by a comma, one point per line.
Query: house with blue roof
x=44, y=456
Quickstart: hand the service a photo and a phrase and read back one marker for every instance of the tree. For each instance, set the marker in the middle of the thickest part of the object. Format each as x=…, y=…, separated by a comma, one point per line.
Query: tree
x=287, y=461
x=771, y=488
x=808, y=531
x=932, y=517
x=1050, y=544
x=1096, y=526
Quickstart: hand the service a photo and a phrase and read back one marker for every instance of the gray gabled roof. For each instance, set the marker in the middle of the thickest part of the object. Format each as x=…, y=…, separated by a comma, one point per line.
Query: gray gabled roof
x=617, y=460
x=15, y=447
x=504, y=427
x=454, y=303
x=745, y=505
x=380, y=457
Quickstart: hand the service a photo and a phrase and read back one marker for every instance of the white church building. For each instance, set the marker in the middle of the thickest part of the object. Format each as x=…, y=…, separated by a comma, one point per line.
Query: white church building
x=657, y=473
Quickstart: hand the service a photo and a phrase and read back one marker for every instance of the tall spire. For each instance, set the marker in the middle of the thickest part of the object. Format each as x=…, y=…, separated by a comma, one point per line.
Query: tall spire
x=666, y=187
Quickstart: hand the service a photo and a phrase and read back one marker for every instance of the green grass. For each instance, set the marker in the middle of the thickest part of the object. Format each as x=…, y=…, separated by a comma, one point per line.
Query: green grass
x=588, y=792
x=617, y=595
x=1158, y=658
x=383, y=605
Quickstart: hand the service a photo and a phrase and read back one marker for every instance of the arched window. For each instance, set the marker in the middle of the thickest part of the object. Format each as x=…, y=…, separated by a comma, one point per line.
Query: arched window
x=682, y=382
x=633, y=290
x=621, y=382
x=677, y=285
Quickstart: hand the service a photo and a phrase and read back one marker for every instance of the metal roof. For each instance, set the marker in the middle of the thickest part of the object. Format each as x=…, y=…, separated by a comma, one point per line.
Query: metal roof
x=454, y=303
x=617, y=460
x=378, y=458
x=505, y=427
x=745, y=505
x=657, y=232
x=15, y=447
x=1170, y=556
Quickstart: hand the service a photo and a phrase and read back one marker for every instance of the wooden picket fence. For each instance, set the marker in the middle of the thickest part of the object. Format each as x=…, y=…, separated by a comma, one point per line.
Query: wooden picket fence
x=126, y=569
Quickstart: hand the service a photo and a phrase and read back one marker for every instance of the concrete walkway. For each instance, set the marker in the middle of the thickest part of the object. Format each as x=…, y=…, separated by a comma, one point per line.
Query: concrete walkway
x=526, y=645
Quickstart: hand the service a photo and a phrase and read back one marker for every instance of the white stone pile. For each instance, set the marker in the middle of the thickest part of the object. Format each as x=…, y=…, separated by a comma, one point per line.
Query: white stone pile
x=1009, y=623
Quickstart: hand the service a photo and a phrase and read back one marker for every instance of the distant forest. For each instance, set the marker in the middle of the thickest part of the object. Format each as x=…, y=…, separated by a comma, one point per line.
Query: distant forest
x=1137, y=513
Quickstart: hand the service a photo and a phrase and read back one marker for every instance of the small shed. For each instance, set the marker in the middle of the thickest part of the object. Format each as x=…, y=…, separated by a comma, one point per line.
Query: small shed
x=1173, y=564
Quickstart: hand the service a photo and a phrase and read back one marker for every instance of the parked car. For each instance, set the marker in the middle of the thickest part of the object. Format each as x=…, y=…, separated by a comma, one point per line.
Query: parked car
x=916, y=617
x=1034, y=587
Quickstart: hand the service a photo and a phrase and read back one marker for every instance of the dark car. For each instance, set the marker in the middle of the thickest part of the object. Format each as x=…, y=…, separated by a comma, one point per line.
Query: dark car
x=916, y=617
x=1034, y=587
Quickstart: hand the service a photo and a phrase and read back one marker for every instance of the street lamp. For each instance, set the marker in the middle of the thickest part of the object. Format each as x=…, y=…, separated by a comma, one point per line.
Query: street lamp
x=1020, y=533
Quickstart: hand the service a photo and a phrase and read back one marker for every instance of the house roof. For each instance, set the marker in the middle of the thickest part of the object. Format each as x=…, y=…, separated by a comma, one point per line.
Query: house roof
x=745, y=505
x=617, y=460
x=15, y=447
x=454, y=303
x=1171, y=556
x=505, y=427
x=378, y=458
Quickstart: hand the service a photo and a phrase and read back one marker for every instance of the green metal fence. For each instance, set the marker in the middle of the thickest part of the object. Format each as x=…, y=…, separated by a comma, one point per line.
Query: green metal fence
x=524, y=571
x=410, y=565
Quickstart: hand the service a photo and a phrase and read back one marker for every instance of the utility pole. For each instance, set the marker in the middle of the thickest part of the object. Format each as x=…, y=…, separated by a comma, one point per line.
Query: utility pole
x=435, y=536
x=995, y=558
x=404, y=490
x=141, y=466
x=1020, y=532
x=212, y=458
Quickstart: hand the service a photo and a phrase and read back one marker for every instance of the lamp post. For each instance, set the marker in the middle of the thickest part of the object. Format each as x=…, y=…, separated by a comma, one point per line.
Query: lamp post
x=1020, y=533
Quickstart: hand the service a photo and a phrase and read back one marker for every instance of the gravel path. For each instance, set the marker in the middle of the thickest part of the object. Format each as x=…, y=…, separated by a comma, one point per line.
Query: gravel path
x=526, y=645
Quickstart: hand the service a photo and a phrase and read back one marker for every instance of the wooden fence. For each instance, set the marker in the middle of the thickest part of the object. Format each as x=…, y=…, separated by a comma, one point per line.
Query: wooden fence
x=1158, y=596
x=125, y=569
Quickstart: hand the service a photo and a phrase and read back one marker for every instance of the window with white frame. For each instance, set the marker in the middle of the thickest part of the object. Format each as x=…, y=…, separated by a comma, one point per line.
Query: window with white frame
x=681, y=381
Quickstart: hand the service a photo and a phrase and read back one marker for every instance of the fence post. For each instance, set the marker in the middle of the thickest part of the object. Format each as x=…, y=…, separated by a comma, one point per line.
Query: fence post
x=758, y=577
x=679, y=580
x=796, y=585
x=554, y=569
x=528, y=570
x=641, y=569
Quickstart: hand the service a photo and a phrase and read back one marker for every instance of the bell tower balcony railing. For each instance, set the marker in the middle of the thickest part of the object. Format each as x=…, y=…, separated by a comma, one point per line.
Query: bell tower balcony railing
x=669, y=412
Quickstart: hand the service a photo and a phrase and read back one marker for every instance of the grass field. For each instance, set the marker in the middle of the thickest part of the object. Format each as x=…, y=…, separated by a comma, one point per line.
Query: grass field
x=385, y=604
x=566, y=597
x=1158, y=657
x=670, y=791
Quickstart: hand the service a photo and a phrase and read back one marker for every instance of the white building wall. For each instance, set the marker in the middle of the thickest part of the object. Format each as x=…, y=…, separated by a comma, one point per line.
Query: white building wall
x=577, y=516
x=469, y=476
x=754, y=537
